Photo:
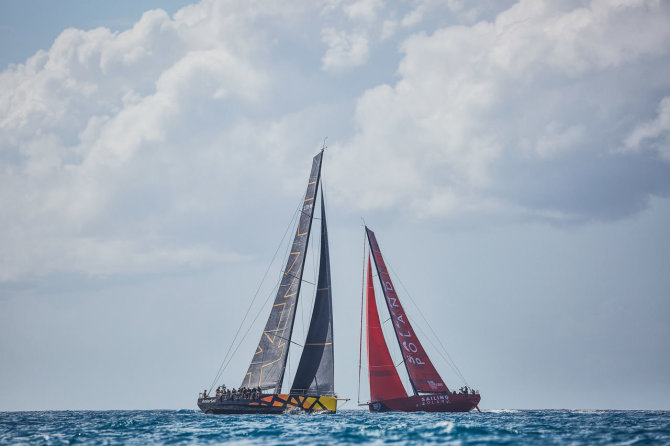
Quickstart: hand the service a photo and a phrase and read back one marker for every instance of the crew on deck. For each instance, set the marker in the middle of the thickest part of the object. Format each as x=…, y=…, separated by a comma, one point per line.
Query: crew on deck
x=465, y=390
x=222, y=393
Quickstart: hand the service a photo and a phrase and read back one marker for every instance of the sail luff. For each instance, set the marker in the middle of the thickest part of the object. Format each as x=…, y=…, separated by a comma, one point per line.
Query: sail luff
x=268, y=364
x=315, y=373
x=422, y=374
x=383, y=377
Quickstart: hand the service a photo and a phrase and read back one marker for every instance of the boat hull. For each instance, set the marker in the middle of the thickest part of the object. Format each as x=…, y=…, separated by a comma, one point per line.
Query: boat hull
x=269, y=404
x=438, y=402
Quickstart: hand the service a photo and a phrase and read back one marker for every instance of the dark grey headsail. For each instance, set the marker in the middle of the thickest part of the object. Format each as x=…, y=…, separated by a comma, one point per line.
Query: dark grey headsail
x=269, y=362
x=315, y=374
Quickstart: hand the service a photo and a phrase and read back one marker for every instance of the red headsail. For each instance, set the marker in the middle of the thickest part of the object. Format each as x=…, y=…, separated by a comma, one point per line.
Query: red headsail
x=385, y=383
x=421, y=371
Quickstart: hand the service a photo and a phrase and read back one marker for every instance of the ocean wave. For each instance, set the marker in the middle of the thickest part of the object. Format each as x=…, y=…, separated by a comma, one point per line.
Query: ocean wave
x=346, y=427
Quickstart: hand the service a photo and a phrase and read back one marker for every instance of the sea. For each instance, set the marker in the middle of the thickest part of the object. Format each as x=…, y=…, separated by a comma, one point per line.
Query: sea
x=518, y=427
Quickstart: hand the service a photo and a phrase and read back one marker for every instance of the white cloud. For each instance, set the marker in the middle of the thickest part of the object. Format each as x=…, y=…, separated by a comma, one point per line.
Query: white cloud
x=363, y=10
x=496, y=116
x=345, y=49
x=656, y=132
x=110, y=143
x=117, y=147
x=389, y=28
x=415, y=16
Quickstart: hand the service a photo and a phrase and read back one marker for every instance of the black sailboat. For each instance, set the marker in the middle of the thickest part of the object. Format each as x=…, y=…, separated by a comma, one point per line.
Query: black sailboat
x=313, y=386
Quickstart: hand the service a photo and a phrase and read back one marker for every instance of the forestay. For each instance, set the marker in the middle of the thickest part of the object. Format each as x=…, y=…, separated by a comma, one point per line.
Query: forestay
x=385, y=382
x=315, y=374
x=269, y=361
x=423, y=375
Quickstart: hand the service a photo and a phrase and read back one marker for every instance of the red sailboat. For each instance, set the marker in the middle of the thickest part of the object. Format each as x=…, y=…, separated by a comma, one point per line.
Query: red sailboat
x=387, y=393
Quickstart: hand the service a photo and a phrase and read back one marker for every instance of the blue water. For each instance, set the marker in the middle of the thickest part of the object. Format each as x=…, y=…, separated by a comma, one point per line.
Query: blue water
x=347, y=427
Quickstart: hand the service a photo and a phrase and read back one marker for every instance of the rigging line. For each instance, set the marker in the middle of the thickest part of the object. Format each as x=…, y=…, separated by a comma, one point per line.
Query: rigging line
x=319, y=182
x=302, y=313
x=272, y=291
x=360, y=333
x=450, y=364
x=451, y=361
x=310, y=247
x=447, y=359
x=301, y=279
x=250, y=327
x=303, y=212
x=313, y=248
x=316, y=247
x=222, y=367
x=287, y=339
x=299, y=304
x=229, y=358
x=258, y=313
x=389, y=329
x=288, y=359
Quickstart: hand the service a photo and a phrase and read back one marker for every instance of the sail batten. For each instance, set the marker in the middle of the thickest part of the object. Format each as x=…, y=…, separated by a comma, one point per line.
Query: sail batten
x=266, y=369
x=315, y=373
x=422, y=374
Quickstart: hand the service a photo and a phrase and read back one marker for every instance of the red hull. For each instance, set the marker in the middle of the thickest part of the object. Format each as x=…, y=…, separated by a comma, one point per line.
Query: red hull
x=428, y=403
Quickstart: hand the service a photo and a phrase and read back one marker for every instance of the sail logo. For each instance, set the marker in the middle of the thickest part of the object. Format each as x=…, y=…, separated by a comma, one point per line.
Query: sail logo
x=413, y=360
x=410, y=347
x=434, y=399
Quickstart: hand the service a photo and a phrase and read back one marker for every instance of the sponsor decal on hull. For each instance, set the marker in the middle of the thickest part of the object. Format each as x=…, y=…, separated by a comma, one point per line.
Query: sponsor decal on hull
x=430, y=400
x=283, y=401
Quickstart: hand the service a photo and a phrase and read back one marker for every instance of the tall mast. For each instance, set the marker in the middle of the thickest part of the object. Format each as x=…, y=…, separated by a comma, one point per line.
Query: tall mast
x=384, y=380
x=268, y=364
x=315, y=373
x=422, y=373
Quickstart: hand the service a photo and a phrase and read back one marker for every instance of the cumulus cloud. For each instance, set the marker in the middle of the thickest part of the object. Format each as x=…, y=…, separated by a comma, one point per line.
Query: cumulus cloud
x=132, y=151
x=345, y=49
x=363, y=9
x=655, y=133
x=112, y=143
x=524, y=114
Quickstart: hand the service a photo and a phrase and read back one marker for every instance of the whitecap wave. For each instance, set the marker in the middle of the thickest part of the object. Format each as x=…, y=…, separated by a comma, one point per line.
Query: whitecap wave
x=447, y=425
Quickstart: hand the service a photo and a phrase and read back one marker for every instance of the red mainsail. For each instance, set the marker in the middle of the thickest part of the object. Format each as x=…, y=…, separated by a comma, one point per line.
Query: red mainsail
x=384, y=380
x=421, y=371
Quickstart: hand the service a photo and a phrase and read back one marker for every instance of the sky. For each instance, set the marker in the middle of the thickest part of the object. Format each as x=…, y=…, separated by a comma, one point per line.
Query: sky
x=513, y=159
